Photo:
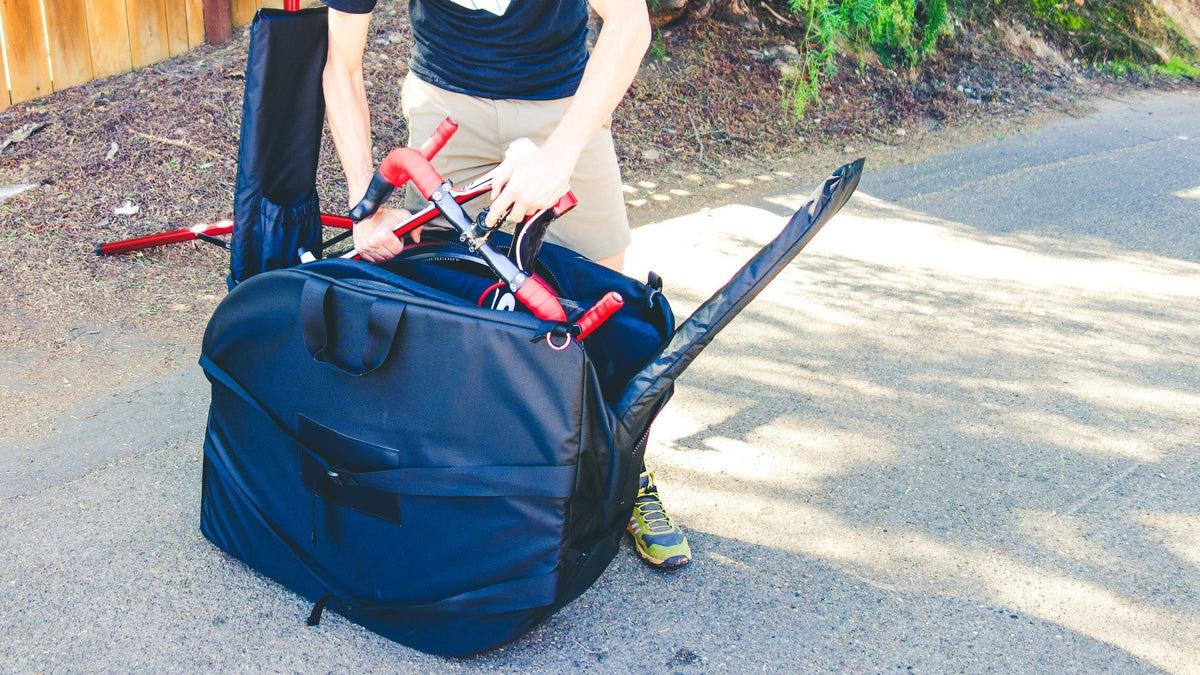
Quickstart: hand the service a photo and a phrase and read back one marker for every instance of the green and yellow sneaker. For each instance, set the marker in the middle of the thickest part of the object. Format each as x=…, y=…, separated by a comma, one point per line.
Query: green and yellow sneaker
x=658, y=540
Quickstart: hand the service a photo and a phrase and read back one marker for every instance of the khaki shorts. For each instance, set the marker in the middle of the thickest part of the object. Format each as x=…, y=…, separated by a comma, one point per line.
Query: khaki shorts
x=597, y=227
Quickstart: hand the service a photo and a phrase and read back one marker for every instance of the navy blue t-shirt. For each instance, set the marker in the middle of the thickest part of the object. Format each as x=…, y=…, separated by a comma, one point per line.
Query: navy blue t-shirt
x=524, y=49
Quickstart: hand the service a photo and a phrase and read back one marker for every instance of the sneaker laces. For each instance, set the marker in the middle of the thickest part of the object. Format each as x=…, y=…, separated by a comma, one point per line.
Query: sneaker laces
x=651, y=511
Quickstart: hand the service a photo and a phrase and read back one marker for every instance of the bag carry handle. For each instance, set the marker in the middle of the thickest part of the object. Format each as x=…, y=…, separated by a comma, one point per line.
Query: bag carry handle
x=383, y=320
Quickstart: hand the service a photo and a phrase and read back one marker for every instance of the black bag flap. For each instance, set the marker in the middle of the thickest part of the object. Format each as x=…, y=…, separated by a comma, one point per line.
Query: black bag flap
x=639, y=402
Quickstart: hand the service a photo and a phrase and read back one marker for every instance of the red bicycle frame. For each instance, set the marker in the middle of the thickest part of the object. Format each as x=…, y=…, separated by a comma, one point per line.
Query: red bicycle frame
x=202, y=232
x=210, y=233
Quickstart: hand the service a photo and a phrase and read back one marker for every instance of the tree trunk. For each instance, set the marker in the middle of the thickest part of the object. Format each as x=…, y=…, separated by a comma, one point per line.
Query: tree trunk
x=666, y=11
x=739, y=12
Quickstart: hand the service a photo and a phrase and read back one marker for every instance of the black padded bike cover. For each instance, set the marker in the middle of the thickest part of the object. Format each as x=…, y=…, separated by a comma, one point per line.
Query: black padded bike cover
x=276, y=210
x=433, y=470
x=641, y=397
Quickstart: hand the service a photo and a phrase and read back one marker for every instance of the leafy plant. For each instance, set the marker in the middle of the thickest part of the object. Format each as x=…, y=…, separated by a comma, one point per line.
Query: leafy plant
x=658, y=46
x=1180, y=68
x=903, y=33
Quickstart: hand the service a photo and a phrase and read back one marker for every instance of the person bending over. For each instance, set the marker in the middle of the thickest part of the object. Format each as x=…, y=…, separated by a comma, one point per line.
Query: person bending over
x=506, y=69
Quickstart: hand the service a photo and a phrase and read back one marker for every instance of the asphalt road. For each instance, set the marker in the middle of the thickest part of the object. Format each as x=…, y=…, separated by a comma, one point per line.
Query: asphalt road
x=958, y=434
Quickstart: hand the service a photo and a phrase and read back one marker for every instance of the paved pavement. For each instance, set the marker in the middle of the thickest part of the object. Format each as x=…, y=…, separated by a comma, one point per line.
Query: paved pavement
x=958, y=434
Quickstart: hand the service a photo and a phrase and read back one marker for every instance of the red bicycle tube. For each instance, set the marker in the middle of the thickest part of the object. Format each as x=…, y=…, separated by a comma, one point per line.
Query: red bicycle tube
x=151, y=240
x=537, y=296
x=331, y=220
x=599, y=313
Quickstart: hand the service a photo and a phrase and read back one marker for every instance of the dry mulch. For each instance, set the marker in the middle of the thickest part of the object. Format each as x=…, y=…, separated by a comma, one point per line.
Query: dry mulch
x=155, y=150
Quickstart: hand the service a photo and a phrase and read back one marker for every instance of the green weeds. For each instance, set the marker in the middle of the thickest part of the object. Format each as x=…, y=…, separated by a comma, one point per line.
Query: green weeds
x=1179, y=68
x=1118, y=37
x=903, y=33
x=658, y=47
x=1126, y=68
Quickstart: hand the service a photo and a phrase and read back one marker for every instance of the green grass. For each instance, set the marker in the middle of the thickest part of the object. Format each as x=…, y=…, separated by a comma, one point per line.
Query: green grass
x=903, y=33
x=1179, y=68
x=1125, y=67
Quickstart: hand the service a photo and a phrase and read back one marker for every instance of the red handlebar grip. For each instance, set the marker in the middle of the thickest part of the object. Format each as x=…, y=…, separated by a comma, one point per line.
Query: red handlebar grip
x=405, y=164
x=436, y=141
x=540, y=300
x=392, y=171
x=599, y=313
x=399, y=164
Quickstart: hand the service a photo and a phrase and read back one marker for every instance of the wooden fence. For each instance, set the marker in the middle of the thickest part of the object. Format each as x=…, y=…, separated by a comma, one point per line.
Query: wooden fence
x=48, y=45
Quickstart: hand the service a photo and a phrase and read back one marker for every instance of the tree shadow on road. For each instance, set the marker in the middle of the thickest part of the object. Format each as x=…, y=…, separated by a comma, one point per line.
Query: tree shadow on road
x=950, y=413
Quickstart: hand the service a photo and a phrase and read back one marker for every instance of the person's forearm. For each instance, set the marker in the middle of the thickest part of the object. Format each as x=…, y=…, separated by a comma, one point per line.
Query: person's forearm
x=347, y=111
x=350, y=126
x=613, y=64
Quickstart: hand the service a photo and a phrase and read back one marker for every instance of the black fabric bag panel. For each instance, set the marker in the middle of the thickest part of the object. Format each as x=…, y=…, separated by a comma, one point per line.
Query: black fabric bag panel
x=396, y=576
x=275, y=209
x=372, y=555
x=461, y=385
x=372, y=462
x=457, y=625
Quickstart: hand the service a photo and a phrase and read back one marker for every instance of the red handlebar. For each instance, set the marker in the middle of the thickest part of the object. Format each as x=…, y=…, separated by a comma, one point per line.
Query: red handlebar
x=540, y=300
x=599, y=313
x=436, y=141
x=403, y=164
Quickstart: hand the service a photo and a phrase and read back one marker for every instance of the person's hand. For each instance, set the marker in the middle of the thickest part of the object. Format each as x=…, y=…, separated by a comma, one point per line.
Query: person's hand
x=524, y=186
x=374, y=239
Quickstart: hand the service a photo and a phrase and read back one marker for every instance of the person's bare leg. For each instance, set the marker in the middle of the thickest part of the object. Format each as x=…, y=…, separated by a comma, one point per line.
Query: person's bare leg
x=613, y=262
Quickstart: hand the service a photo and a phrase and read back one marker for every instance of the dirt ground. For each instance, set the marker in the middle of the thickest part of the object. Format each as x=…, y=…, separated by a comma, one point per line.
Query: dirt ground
x=156, y=149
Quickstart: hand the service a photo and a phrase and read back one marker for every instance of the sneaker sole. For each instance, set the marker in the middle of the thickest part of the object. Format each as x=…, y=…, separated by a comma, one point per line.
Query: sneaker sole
x=672, y=563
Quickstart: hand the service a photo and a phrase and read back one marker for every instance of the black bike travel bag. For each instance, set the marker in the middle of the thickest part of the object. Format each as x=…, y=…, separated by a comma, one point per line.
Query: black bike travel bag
x=444, y=474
